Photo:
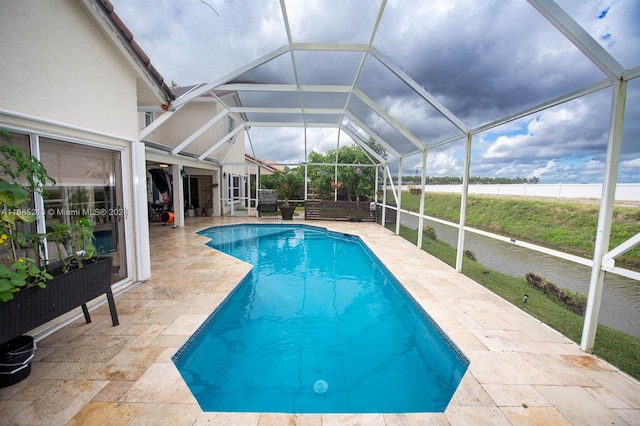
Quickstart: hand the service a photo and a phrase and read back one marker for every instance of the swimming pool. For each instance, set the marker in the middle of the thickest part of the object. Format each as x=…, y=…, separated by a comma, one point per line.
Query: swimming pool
x=318, y=326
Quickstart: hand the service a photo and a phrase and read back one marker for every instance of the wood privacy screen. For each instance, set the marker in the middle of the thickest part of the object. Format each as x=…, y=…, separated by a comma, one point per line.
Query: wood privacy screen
x=338, y=210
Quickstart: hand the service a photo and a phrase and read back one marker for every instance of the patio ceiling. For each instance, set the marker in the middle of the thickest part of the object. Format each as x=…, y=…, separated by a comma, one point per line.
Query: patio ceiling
x=354, y=85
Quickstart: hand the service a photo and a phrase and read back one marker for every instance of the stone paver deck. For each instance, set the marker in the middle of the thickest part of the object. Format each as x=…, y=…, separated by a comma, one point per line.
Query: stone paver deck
x=521, y=372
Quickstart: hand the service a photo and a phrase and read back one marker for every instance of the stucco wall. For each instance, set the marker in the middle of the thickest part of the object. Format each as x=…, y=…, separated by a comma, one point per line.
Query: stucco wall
x=188, y=120
x=57, y=64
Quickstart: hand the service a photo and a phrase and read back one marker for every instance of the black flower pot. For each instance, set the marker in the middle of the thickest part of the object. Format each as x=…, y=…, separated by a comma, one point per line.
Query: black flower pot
x=15, y=360
x=287, y=212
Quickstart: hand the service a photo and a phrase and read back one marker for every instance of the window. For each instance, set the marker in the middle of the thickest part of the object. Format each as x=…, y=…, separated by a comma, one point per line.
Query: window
x=231, y=124
x=148, y=118
x=233, y=187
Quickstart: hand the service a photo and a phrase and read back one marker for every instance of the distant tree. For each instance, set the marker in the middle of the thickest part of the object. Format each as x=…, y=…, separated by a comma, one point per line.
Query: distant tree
x=320, y=177
x=357, y=181
x=289, y=184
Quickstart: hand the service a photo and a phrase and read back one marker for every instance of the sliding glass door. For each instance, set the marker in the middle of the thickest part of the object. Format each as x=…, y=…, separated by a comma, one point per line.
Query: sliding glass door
x=88, y=184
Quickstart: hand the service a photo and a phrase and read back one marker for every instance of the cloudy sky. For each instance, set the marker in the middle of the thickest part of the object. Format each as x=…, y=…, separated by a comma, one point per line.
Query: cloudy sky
x=481, y=60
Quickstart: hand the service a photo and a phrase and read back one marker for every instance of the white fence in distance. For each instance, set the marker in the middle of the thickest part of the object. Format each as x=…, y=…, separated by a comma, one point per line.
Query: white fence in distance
x=624, y=191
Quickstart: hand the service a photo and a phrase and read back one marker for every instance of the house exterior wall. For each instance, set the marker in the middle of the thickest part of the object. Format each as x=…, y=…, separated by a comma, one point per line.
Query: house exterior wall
x=57, y=64
x=182, y=125
x=188, y=120
x=62, y=78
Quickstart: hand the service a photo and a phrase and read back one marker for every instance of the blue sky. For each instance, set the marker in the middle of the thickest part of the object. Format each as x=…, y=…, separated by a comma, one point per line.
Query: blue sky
x=481, y=60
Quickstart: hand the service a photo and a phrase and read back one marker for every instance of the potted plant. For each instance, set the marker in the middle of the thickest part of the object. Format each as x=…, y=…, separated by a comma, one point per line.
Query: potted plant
x=198, y=211
x=191, y=212
x=354, y=218
x=35, y=290
x=208, y=210
x=19, y=271
x=289, y=186
x=208, y=207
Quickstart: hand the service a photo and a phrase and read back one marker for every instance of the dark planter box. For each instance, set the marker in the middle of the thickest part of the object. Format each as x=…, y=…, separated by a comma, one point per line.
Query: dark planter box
x=35, y=306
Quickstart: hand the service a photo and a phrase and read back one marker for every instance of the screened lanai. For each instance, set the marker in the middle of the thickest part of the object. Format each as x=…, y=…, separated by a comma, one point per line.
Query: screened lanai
x=531, y=88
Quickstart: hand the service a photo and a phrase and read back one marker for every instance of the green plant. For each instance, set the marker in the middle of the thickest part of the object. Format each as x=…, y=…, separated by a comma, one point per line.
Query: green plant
x=76, y=239
x=429, y=232
x=357, y=182
x=208, y=195
x=471, y=255
x=23, y=264
x=18, y=270
x=564, y=225
x=288, y=184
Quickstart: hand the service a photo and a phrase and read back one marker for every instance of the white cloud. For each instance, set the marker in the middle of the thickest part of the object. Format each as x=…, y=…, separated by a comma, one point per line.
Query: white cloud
x=553, y=133
x=287, y=145
x=549, y=168
x=444, y=164
x=187, y=42
x=635, y=162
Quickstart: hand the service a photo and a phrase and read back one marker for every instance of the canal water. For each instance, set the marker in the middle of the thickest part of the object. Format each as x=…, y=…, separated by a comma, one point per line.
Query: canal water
x=620, y=308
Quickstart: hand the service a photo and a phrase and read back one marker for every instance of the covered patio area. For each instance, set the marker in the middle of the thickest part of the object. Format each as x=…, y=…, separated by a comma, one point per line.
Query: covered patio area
x=520, y=372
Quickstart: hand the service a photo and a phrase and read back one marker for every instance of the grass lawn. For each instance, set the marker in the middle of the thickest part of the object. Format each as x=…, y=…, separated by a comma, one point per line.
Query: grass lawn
x=569, y=226
x=620, y=349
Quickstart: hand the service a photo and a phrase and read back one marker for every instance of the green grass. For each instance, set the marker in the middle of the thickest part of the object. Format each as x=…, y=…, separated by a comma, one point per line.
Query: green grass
x=566, y=226
x=620, y=349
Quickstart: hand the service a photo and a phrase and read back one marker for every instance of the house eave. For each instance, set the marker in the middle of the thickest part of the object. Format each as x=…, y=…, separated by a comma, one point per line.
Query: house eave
x=113, y=27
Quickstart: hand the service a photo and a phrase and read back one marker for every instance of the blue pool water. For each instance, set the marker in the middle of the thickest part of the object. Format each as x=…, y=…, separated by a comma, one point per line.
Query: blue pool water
x=318, y=326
